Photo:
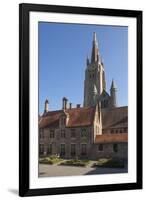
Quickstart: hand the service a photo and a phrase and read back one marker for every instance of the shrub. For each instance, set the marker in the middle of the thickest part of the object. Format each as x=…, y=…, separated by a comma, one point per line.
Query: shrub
x=75, y=162
x=50, y=160
x=111, y=163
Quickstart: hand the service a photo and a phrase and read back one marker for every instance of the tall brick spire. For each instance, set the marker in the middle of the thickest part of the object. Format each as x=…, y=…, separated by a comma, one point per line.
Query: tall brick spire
x=94, y=55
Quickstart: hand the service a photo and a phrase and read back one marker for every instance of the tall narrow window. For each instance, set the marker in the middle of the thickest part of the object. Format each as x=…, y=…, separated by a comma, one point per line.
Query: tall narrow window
x=100, y=147
x=125, y=130
x=117, y=131
x=73, y=133
x=41, y=133
x=112, y=131
x=115, y=147
x=83, y=133
x=73, y=149
x=49, y=150
x=63, y=133
x=41, y=148
x=52, y=133
x=62, y=150
x=84, y=149
x=63, y=121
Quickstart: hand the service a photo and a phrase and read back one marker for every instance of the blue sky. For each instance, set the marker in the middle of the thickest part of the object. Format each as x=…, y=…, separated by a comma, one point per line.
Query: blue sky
x=63, y=49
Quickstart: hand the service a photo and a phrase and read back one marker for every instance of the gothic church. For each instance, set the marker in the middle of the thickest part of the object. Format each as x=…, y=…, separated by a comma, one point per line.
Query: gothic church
x=98, y=129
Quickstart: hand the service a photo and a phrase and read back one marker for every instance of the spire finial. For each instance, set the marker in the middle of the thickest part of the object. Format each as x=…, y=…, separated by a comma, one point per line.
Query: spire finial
x=95, y=41
x=94, y=36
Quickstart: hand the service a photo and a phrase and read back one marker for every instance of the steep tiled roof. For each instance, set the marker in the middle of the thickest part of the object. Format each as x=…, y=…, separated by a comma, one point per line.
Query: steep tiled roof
x=114, y=118
x=77, y=117
x=111, y=118
x=109, y=138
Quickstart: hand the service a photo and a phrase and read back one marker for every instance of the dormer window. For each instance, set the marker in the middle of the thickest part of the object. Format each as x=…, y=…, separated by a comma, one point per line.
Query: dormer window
x=63, y=120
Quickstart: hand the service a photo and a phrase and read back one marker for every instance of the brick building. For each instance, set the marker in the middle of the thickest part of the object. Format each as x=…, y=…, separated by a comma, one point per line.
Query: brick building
x=98, y=129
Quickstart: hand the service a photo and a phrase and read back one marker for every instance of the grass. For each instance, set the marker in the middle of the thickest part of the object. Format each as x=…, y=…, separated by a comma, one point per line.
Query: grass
x=109, y=163
x=50, y=160
x=76, y=162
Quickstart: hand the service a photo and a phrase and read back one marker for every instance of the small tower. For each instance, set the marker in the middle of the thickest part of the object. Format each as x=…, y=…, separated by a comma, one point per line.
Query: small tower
x=113, y=93
x=46, y=108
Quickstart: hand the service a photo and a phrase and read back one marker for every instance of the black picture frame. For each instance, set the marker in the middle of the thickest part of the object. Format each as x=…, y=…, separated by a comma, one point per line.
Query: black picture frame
x=24, y=187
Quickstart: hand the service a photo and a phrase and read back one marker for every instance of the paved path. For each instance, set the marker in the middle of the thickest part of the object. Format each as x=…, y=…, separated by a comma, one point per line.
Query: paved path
x=55, y=170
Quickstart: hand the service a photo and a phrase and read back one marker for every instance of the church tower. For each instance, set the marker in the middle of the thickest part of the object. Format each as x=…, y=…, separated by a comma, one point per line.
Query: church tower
x=94, y=83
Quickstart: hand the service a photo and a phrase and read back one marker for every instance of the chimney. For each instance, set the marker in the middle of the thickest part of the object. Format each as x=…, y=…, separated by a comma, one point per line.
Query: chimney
x=64, y=103
x=46, y=109
x=70, y=105
x=78, y=105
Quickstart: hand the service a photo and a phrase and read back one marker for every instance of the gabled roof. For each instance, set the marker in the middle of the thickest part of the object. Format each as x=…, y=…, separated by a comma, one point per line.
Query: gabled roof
x=77, y=117
x=115, y=117
x=111, y=138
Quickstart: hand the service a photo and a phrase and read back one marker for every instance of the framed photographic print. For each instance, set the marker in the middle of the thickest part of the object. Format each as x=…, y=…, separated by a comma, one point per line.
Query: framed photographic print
x=80, y=99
